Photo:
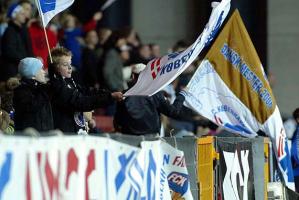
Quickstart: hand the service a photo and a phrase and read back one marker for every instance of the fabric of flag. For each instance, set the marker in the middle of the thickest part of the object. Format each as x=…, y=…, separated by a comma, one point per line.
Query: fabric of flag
x=49, y=8
x=107, y=4
x=162, y=71
x=231, y=89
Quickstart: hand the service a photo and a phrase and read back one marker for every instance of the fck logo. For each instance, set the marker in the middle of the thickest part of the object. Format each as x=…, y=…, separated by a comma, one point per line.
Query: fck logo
x=155, y=67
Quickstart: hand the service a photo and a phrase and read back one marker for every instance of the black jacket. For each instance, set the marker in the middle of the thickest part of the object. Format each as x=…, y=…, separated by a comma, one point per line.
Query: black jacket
x=16, y=45
x=32, y=106
x=139, y=115
x=69, y=101
x=90, y=70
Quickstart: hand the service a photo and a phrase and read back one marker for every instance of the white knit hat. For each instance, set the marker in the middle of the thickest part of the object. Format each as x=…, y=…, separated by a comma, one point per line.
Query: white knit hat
x=28, y=67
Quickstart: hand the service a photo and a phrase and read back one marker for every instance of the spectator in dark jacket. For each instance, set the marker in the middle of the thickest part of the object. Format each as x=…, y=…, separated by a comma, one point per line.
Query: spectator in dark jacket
x=91, y=60
x=69, y=99
x=15, y=42
x=31, y=100
x=140, y=115
x=113, y=62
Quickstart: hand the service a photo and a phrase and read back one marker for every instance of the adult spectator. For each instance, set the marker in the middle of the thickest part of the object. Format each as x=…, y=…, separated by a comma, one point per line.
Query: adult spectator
x=113, y=62
x=27, y=7
x=72, y=35
x=38, y=41
x=31, y=99
x=155, y=50
x=144, y=54
x=104, y=34
x=133, y=41
x=90, y=60
x=15, y=42
x=140, y=115
x=3, y=25
x=71, y=100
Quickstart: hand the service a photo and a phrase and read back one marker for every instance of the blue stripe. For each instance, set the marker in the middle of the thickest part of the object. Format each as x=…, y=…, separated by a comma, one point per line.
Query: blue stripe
x=106, y=174
x=47, y=5
x=5, y=172
x=129, y=195
x=136, y=164
x=134, y=181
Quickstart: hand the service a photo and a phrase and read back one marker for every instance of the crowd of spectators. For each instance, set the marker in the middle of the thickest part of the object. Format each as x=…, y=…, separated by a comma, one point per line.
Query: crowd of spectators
x=91, y=67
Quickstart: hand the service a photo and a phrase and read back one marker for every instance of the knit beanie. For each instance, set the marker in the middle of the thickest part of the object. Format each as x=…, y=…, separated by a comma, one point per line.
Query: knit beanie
x=13, y=10
x=28, y=67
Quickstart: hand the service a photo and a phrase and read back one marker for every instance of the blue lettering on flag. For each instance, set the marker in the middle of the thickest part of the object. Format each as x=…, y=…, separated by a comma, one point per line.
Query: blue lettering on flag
x=5, y=172
x=173, y=55
x=178, y=183
x=237, y=128
x=121, y=175
x=257, y=84
x=166, y=159
x=47, y=5
x=162, y=182
x=176, y=63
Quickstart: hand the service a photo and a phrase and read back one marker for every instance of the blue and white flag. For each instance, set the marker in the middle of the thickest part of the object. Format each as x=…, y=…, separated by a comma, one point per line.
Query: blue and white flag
x=49, y=8
x=162, y=71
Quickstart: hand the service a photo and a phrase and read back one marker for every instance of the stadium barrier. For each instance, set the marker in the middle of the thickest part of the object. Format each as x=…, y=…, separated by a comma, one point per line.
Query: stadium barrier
x=233, y=168
x=89, y=167
x=218, y=167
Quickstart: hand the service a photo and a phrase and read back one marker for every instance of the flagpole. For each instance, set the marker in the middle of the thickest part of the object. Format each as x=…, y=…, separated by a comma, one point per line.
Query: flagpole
x=50, y=56
x=45, y=32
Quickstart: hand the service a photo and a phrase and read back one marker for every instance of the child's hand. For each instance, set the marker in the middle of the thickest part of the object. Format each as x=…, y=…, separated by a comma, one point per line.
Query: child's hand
x=118, y=96
x=98, y=16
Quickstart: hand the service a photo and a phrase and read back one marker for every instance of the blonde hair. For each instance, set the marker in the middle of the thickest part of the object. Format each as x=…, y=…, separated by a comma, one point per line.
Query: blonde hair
x=58, y=52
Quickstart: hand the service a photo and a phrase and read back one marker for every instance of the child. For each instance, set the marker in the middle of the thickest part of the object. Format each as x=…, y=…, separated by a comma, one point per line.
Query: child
x=69, y=99
x=31, y=100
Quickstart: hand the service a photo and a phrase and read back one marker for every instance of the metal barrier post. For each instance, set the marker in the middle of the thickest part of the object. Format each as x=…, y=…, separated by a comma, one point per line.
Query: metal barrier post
x=206, y=156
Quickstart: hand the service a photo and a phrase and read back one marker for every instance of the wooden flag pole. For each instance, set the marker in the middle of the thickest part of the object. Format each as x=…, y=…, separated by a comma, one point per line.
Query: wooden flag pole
x=45, y=32
x=50, y=56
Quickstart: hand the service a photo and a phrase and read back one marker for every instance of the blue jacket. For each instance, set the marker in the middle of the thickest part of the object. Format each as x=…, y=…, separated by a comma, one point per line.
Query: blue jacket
x=295, y=151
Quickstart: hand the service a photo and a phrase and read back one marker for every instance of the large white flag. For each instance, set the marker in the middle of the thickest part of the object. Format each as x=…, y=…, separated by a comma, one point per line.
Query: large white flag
x=231, y=89
x=49, y=8
x=162, y=71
